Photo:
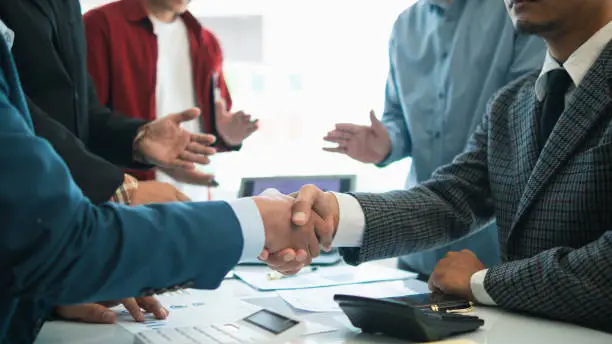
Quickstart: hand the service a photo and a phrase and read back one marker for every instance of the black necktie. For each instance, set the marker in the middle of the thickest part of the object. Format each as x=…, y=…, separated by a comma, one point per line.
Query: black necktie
x=557, y=84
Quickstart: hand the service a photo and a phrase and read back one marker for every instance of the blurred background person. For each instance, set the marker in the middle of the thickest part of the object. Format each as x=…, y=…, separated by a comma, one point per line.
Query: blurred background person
x=149, y=58
x=447, y=58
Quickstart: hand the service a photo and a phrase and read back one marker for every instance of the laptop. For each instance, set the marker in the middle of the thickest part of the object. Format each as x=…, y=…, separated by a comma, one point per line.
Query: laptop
x=289, y=184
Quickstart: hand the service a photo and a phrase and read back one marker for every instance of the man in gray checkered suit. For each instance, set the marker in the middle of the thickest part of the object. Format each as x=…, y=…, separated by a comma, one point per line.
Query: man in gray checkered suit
x=540, y=164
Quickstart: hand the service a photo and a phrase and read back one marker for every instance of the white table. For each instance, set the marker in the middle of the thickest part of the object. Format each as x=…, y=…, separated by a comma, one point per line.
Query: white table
x=500, y=327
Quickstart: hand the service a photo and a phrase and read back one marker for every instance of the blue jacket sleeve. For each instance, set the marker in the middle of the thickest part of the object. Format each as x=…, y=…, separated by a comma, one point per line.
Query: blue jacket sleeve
x=393, y=115
x=56, y=245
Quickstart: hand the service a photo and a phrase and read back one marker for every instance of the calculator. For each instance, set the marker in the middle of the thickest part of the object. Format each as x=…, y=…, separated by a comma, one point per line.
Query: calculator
x=263, y=326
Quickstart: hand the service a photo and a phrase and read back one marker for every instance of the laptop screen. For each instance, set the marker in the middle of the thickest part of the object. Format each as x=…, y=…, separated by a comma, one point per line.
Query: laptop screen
x=287, y=185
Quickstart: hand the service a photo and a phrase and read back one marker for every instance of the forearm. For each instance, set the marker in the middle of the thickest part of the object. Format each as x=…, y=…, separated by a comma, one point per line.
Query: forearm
x=403, y=222
x=112, y=135
x=54, y=238
x=401, y=142
x=562, y=283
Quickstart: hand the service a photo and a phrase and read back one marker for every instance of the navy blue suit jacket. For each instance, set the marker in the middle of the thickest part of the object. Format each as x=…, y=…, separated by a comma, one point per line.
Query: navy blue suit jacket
x=56, y=247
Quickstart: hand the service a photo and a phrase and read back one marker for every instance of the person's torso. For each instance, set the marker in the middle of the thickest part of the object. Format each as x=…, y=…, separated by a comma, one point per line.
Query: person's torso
x=140, y=61
x=174, y=90
x=20, y=319
x=557, y=196
x=448, y=63
x=49, y=51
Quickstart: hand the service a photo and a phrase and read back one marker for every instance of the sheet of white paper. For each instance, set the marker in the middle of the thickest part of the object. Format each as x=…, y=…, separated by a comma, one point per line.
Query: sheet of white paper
x=316, y=328
x=322, y=299
x=324, y=277
x=194, y=335
x=189, y=308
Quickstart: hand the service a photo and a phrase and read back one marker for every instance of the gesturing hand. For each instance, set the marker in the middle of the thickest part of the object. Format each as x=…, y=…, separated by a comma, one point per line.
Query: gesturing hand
x=233, y=127
x=99, y=313
x=166, y=144
x=368, y=144
x=453, y=273
x=309, y=203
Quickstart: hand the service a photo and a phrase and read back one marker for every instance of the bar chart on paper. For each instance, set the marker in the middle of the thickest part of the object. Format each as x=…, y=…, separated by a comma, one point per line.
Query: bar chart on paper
x=187, y=308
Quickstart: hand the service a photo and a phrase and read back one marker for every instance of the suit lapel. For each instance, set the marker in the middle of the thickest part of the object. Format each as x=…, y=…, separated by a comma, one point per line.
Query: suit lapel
x=587, y=105
x=14, y=91
x=45, y=7
x=525, y=133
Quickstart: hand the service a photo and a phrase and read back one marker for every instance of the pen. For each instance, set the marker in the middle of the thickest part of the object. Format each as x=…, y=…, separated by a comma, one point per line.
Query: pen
x=273, y=276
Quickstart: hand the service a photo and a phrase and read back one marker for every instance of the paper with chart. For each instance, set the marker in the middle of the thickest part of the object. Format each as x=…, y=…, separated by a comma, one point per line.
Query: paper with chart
x=324, y=277
x=189, y=308
x=322, y=299
x=198, y=308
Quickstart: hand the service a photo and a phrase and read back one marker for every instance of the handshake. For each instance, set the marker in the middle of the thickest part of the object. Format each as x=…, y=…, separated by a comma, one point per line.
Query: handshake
x=297, y=226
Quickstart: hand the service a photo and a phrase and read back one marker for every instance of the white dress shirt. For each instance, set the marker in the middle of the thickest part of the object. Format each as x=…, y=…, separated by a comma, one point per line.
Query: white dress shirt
x=174, y=89
x=351, y=224
x=7, y=34
x=252, y=227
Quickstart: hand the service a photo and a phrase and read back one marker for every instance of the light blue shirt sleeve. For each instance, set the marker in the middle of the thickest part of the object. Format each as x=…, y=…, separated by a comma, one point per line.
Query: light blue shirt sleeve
x=252, y=227
x=393, y=116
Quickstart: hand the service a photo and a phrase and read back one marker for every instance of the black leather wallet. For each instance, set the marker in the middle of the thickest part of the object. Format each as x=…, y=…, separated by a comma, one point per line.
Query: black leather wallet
x=396, y=318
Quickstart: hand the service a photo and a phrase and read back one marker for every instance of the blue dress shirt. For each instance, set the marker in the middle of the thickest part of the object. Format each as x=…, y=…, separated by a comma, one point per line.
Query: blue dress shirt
x=447, y=59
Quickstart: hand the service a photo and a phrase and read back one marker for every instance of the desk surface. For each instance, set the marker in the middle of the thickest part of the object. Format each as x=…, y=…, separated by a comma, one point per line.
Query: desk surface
x=500, y=327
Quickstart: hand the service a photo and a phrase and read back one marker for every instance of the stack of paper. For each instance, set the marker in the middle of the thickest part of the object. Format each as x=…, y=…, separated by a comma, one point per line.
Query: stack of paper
x=324, y=277
x=322, y=299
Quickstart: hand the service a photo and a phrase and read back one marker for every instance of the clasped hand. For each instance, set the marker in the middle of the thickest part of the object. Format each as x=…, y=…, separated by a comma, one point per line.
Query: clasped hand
x=297, y=226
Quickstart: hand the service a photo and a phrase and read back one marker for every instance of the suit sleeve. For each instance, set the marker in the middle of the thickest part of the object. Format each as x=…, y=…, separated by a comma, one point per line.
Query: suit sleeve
x=111, y=135
x=454, y=202
x=393, y=115
x=98, y=53
x=52, y=238
x=561, y=283
x=97, y=178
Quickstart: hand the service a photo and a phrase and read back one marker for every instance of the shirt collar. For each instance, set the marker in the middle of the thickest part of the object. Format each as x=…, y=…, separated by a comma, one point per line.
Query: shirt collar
x=442, y=4
x=135, y=11
x=579, y=62
x=7, y=34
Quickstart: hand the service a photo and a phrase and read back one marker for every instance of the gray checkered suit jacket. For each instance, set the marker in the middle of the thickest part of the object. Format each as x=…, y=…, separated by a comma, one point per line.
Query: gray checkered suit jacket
x=553, y=209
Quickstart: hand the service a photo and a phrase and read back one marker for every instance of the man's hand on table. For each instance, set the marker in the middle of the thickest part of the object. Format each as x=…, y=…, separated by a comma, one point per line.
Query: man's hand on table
x=100, y=313
x=309, y=207
x=453, y=273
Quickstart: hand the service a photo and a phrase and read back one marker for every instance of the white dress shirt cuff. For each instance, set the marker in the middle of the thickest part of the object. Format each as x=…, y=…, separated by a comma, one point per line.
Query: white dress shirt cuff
x=251, y=223
x=351, y=224
x=478, y=289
